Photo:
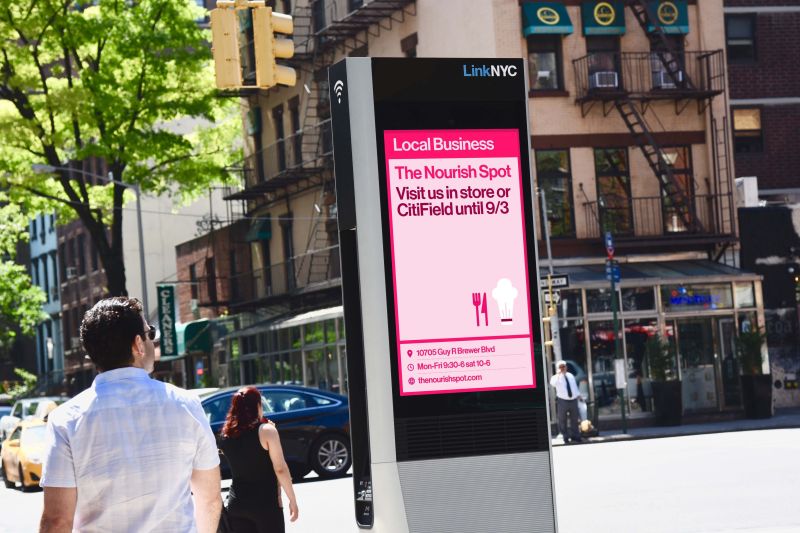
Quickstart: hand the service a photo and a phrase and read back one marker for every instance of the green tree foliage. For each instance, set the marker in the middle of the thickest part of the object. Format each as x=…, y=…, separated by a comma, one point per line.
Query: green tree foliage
x=20, y=301
x=130, y=83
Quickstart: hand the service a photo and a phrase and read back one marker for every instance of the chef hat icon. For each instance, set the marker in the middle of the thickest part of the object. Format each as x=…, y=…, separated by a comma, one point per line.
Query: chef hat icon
x=505, y=294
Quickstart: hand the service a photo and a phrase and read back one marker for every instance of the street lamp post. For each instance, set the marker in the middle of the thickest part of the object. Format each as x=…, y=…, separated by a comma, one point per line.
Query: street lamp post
x=50, y=169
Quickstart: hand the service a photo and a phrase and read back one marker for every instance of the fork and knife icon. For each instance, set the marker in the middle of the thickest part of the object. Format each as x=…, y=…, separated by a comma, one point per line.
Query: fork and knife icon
x=480, y=307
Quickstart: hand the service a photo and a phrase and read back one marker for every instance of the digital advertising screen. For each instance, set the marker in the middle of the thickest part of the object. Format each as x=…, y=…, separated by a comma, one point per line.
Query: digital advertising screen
x=459, y=261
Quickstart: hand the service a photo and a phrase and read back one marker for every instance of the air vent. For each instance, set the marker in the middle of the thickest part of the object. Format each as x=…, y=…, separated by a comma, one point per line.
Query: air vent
x=475, y=434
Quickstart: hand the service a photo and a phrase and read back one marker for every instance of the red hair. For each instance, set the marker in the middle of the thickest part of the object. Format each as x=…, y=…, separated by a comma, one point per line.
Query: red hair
x=243, y=414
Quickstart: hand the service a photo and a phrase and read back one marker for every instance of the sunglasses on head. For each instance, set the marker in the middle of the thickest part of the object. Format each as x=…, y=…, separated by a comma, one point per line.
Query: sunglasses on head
x=151, y=332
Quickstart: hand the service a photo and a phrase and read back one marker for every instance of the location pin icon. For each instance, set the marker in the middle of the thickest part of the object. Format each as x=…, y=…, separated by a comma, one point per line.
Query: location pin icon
x=409, y=353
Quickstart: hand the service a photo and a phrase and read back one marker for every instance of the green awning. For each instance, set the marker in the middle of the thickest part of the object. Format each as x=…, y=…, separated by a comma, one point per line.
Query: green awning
x=545, y=18
x=260, y=229
x=672, y=15
x=603, y=18
x=197, y=336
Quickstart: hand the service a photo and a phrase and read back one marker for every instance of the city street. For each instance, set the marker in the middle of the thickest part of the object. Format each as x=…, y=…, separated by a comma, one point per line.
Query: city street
x=739, y=481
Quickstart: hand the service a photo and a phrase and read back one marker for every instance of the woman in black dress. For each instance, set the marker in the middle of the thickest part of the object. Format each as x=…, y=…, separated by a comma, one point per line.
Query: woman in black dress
x=252, y=447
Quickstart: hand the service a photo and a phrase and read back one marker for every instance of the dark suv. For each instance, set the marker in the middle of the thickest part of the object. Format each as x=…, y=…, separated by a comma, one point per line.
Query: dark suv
x=314, y=426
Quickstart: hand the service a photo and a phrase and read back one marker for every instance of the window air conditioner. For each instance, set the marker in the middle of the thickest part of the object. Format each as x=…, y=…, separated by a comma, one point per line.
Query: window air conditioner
x=604, y=80
x=662, y=79
x=72, y=272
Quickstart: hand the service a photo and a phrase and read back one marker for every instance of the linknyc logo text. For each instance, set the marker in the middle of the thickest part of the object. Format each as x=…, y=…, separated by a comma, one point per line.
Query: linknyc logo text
x=489, y=71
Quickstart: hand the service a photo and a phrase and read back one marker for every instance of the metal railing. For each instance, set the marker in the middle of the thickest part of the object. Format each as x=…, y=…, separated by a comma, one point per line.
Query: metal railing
x=296, y=274
x=302, y=152
x=606, y=75
x=653, y=216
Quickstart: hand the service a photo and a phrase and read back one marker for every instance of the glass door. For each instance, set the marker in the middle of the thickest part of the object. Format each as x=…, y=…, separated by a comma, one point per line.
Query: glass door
x=731, y=391
x=601, y=337
x=695, y=343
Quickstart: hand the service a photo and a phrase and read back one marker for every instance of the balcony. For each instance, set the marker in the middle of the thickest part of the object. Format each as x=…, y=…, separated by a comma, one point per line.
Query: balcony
x=651, y=220
x=336, y=20
x=316, y=270
x=608, y=76
x=296, y=160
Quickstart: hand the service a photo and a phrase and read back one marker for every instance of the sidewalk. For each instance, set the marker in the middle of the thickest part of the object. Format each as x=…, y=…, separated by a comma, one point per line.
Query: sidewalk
x=783, y=418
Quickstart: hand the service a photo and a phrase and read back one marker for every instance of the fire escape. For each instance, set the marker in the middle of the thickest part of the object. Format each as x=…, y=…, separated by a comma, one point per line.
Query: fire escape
x=667, y=73
x=324, y=32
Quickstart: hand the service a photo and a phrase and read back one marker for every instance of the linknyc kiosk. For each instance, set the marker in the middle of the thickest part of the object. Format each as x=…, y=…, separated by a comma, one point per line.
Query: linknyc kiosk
x=448, y=407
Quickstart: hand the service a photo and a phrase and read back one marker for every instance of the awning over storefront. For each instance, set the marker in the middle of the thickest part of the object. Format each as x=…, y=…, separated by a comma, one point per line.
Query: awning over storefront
x=655, y=273
x=260, y=229
x=603, y=18
x=672, y=15
x=309, y=317
x=543, y=18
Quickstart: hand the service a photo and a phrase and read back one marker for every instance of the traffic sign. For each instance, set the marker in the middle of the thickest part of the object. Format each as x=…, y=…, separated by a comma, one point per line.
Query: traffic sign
x=560, y=281
x=612, y=270
x=609, y=244
x=556, y=297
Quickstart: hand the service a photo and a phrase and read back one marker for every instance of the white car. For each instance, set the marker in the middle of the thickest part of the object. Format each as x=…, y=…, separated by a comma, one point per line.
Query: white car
x=24, y=409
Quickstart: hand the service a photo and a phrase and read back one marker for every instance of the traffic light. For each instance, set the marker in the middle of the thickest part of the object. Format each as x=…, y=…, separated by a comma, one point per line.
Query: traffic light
x=266, y=24
x=225, y=47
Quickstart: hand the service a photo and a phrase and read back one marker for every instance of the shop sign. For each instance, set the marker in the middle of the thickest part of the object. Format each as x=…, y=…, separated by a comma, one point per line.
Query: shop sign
x=604, y=14
x=548, y=15
x=167, y=321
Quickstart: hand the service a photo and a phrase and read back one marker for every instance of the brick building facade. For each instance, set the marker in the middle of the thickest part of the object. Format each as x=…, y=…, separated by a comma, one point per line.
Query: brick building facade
x=762, y=43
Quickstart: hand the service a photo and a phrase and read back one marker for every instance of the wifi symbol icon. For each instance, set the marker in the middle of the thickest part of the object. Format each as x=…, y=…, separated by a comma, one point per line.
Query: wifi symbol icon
x=338, y=88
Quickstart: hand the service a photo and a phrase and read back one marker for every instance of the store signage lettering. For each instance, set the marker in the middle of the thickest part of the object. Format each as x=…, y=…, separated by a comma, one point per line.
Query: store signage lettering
x=688, y=297
x=459, y=261
x=548, y=16
x=166, y=320
x=604, y=14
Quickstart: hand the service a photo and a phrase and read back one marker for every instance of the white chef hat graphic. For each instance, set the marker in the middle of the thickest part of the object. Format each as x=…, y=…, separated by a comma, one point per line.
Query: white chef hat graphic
x=505, y=294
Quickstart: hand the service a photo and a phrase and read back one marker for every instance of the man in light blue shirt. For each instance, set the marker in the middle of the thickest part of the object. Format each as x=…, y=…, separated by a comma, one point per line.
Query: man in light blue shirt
x=127, y=453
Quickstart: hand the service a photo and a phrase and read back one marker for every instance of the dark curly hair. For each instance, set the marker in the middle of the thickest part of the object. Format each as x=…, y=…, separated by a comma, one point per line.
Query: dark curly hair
x=243, y=414
x=108, y=330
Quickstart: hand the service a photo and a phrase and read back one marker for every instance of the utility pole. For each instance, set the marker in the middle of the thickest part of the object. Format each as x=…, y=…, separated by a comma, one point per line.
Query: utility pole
x=552, y=308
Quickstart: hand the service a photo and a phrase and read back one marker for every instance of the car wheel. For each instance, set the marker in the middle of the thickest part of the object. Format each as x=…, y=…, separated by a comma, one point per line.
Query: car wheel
x=330, y=456
x=9, y=484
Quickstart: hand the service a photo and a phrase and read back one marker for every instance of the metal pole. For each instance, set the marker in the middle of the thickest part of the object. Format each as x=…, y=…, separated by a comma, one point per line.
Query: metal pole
x=617, y=343
x=141, y=250
x=555, y=331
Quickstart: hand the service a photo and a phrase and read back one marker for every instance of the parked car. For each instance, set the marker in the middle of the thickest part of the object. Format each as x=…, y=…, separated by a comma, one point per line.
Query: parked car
x=22, y=410
x=314, y=426
x=22, y=453
x=5, y=410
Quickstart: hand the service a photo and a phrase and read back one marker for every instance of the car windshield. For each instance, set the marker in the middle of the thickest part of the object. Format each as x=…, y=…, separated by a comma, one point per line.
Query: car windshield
x=33, y=436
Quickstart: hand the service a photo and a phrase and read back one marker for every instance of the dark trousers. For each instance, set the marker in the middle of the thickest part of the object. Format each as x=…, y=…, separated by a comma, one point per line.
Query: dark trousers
x=564, y=409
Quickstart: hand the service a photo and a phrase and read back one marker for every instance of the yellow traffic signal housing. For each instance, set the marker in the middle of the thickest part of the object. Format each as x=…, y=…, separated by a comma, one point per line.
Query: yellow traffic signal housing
x=225, y=48
x=269, y=48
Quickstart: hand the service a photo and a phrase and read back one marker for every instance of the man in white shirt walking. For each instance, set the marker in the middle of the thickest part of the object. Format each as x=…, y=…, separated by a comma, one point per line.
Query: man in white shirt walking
x=126, y=454
x=567, y=395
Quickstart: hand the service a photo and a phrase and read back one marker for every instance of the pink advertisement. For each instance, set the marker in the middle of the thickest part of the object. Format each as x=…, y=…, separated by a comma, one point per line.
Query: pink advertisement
x=459, y=261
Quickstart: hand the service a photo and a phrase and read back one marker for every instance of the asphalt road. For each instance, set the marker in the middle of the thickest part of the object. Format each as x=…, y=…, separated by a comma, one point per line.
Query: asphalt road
x=732, y=482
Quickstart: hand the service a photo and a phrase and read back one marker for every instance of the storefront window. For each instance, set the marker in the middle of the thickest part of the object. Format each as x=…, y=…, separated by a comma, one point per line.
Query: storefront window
x=601, y=337
x=599, y=300
x=696, y=297
x=744, y=295
x=314, y=333
x=330, y=330
x=573, y=351
x=571, y=303
x=637, y=333
x=638, y=299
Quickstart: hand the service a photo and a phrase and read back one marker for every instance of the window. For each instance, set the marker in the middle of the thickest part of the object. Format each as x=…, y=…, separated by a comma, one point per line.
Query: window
x=81, y=252
x=660, y=56
x=33, y=228
x=54, y=261
x=280, y=401
x=613, y=190
x=52, y=224
x=680, y=161
x=288, y=249
x=211, y=279
x=42, y=235
x=62, y=251
x=193, y=281
x=544, y=62
x=747, y=136
x=409, y=46
x=46, y=278
x=553, y=177
x=603, y=60
x=638, y=299
x=740, y=37
x=297, y=133
x=277, y=119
